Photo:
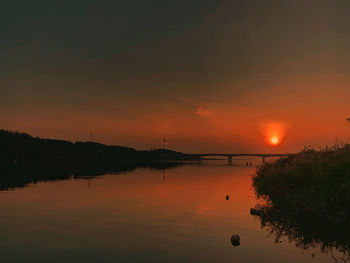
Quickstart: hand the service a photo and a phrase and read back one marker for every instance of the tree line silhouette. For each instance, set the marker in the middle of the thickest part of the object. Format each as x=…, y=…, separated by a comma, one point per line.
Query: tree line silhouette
x=25, y=159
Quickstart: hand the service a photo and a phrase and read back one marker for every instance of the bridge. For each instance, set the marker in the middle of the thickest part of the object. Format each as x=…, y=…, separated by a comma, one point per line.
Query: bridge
x=229, y=156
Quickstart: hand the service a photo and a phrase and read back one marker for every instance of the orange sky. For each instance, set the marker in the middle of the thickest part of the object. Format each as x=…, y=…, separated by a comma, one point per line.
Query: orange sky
x=304, y=111
x=215, y=76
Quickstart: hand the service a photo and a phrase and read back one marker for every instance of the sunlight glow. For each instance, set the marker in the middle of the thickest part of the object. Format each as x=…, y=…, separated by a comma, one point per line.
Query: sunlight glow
x=274, y=132
x=274, y=140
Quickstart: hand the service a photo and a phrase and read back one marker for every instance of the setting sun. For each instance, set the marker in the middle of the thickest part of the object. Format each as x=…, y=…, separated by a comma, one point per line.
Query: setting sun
x=274, y=131
x=274, y=140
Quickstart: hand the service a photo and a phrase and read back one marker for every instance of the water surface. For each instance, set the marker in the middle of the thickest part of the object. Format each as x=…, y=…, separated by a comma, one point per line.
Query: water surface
x=175, y=215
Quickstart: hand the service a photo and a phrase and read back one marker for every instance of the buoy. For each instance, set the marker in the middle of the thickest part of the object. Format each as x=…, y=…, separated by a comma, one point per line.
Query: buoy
x=235, y=240
x=227, y=197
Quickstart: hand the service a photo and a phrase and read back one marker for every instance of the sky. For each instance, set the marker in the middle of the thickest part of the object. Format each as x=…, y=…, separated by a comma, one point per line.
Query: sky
x=207, y=75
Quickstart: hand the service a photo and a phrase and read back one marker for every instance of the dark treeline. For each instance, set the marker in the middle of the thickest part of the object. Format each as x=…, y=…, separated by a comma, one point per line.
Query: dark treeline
x=25, y=159
x=21, y=148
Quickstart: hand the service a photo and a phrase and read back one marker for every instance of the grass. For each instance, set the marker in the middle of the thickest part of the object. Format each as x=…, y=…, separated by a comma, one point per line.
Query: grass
x=316, y=182
x=307, y=197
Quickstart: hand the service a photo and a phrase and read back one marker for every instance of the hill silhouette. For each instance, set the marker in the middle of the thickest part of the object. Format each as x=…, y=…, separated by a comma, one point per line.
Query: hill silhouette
x=25, y=159
x=17, y=148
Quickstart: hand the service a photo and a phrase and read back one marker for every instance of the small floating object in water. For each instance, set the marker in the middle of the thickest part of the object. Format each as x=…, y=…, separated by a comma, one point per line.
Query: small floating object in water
x=235, y=240
x=227, y=197
x=255, y=212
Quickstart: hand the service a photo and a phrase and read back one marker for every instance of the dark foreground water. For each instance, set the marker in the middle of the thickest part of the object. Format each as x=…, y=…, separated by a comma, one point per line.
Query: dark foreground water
x=176, y=215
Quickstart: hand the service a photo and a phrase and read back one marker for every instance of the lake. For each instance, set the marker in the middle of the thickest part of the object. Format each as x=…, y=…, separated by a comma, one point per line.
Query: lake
x=170, y=215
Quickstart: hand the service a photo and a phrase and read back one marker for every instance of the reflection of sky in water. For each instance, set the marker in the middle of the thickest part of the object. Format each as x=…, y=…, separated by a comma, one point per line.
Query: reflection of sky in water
x=139, y=217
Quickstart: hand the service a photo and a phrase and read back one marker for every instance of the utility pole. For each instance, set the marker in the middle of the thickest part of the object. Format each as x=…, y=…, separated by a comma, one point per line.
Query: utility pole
x=165, y=141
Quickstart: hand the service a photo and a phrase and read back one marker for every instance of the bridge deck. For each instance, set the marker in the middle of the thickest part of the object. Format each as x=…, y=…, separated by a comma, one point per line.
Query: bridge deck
x=241, y=154
x=230, y=155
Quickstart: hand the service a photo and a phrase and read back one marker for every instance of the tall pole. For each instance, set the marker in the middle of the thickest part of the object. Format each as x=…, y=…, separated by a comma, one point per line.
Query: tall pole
x=164, y=142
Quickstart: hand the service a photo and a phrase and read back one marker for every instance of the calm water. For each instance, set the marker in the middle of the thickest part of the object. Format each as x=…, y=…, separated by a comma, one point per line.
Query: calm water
x=177, y=215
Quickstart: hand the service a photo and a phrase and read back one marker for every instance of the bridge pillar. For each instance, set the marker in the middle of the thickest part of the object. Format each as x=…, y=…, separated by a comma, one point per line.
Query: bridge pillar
x=229, y=159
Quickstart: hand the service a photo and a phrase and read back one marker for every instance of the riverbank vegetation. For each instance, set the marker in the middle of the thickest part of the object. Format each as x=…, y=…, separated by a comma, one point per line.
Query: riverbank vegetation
x=307, y=197
x=311, y=181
